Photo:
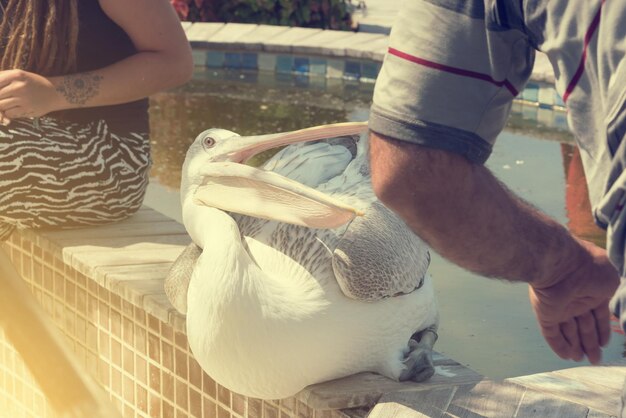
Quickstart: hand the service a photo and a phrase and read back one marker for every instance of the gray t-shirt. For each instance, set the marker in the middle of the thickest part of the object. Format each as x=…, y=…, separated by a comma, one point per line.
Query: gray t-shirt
x=454, y=67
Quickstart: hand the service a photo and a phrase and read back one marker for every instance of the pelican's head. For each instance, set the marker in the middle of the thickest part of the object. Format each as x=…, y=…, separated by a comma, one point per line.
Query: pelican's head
x=214, y=165
x=212, y=145
x=220, y=145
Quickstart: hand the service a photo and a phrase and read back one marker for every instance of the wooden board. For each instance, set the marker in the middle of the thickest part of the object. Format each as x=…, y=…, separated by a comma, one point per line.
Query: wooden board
x=596, y=387
x=483, y=399
x=364, y=389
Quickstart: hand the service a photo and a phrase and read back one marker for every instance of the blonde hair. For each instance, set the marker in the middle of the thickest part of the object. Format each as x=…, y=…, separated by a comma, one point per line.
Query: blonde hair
x=39, y=36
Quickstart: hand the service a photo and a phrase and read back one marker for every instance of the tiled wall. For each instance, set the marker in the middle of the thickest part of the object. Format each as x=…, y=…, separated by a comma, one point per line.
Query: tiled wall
x=352, y=69
x=142, y=362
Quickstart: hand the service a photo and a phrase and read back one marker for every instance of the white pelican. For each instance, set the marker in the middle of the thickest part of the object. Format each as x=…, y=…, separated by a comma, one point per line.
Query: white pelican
x=299, y=274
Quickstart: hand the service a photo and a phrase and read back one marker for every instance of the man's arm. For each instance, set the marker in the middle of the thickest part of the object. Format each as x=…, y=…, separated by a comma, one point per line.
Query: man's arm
x=470, y=218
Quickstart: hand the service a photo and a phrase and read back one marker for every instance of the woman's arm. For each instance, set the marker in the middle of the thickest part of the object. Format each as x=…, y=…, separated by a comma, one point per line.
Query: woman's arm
x=163, y=60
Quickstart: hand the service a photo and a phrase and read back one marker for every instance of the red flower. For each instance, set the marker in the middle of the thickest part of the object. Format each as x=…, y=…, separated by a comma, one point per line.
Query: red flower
x=182, y=8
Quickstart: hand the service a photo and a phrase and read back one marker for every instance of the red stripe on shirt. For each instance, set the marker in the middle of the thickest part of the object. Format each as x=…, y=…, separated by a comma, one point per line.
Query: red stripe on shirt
x=581, y=65
x=453, y=70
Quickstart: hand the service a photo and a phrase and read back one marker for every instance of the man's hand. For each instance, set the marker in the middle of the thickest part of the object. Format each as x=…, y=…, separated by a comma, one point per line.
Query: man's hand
x=572, y=310
x=26, y=94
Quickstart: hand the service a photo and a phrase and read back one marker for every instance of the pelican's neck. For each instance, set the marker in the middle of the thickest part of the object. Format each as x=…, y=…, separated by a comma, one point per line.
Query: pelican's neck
x=209, y=227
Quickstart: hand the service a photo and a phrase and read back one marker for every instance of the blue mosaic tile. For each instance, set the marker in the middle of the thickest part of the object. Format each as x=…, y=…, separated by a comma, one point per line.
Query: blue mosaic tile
x=215, y=59
x=232, y=60
x=335, y=68
x=317, y=66
x=301, y=65
x=352, y=69
x=249, y=61
x=370, y=70
x=529, y=112
x=546, y=95
x=284, y=64
x=199, y=58
x=531, y=92
x=560, y=120
x=266, y=62
x=544, y=116
x=558, y=100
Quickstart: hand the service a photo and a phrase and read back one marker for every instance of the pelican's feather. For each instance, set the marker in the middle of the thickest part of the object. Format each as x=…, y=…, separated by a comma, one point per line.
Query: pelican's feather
x=378, y=257
x=310, y=164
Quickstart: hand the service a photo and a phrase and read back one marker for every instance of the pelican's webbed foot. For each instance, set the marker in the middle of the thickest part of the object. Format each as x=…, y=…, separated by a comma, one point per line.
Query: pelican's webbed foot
x=419, y=360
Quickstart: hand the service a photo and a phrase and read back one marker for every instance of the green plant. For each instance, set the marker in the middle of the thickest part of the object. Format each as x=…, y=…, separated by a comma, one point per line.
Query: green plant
x=325, y=14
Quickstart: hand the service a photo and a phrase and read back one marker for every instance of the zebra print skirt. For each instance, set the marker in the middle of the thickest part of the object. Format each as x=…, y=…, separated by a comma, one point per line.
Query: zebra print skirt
x=62, y=174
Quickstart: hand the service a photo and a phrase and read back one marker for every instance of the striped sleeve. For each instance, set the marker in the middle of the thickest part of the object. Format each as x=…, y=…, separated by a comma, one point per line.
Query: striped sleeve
x=450, y=75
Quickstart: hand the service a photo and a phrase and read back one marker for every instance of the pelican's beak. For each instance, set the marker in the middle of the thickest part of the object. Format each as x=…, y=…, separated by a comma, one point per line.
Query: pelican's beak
x=264, y=194
x=248, y=147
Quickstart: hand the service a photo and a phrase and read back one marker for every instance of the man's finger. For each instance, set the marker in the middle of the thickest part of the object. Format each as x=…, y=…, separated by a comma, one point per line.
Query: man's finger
x=589, y=338
x=569, y=330
x=602, y=316
x=557, y=342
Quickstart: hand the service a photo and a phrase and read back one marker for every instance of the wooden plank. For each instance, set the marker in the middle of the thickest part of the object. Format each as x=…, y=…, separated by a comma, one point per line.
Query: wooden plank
x=364, y=389
x=109, y=244
x=134, y=291
x=601, y=398
x=117, y=230
x=535, y=404
x=77, y=244
x=94, y=264
x=137, y=272
x=486, y=399
x=428, y=403
x=396, y=410
x=603, y=376
x=597, y=414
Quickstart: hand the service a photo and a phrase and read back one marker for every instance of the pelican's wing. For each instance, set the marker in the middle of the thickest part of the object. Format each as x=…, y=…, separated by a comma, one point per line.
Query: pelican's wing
x=179, y=275
x=379, y=257
x=249, y=191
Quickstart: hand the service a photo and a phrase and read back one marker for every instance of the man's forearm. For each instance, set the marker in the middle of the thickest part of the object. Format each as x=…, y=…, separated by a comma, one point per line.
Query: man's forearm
x=468, y=216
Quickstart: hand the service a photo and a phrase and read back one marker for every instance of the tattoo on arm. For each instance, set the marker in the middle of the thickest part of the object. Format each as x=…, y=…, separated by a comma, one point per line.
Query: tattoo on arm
x=79, y=88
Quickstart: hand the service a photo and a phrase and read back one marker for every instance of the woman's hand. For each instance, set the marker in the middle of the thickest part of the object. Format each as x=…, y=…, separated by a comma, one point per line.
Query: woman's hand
x=25, y=94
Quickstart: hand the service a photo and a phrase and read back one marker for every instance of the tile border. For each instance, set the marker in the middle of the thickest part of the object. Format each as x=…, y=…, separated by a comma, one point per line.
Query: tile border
x=336, y=54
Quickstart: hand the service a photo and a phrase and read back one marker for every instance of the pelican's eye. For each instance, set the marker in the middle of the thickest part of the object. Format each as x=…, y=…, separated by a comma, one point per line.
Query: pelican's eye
x=208, y=142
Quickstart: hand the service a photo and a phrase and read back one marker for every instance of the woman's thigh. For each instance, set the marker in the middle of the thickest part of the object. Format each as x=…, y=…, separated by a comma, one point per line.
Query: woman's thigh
x=61, y=174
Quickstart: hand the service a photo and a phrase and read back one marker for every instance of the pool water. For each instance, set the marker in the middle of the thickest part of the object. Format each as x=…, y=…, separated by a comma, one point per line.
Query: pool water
x=485, y=324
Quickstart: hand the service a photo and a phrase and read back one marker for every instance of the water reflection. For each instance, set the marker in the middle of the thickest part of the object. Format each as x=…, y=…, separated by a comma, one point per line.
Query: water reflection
x=482, y=319
x=232, y=101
